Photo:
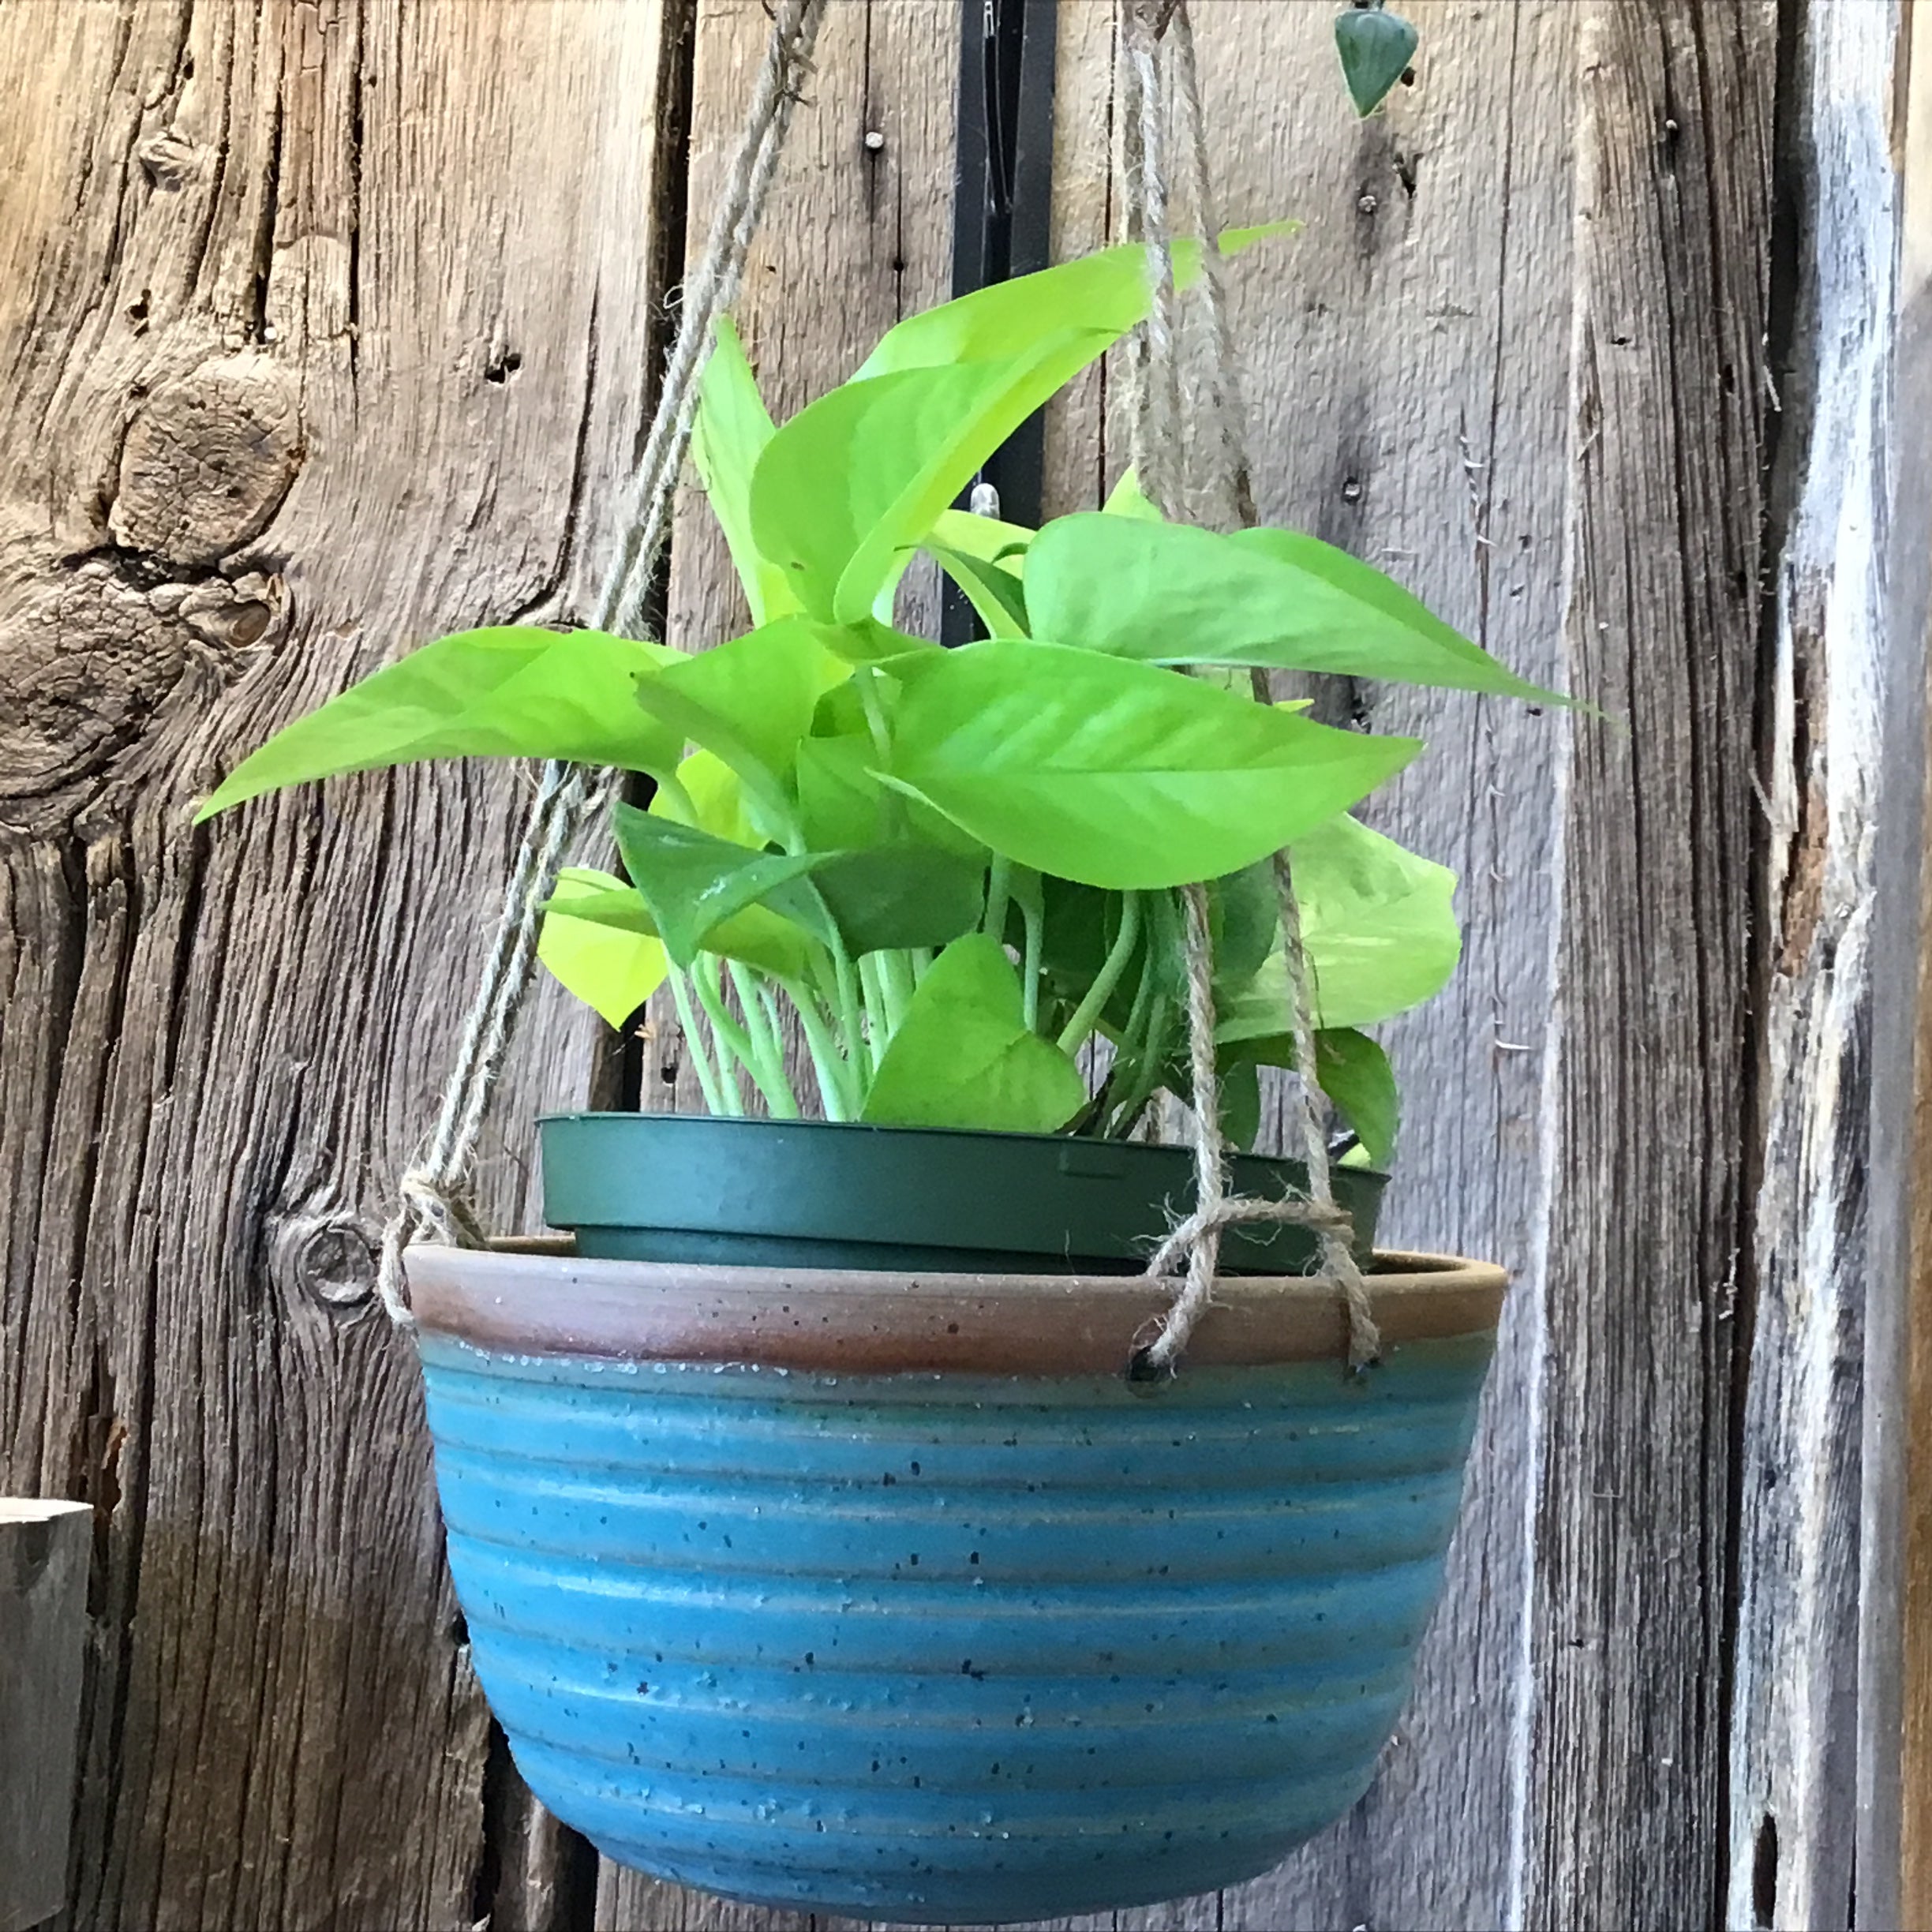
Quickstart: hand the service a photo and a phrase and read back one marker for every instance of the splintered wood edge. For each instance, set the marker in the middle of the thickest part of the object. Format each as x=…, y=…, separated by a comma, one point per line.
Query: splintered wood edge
x=537, y=1298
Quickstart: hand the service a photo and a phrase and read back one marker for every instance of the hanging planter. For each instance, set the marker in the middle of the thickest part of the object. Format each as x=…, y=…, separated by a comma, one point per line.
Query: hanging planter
x=908, y=1493
x=888, y=1594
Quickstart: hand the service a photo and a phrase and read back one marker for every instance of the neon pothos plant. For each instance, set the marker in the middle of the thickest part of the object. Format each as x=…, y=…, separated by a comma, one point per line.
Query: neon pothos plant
x=957, y=868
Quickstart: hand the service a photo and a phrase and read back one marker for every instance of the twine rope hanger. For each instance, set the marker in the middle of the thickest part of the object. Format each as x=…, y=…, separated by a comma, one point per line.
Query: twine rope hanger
x=436, y=1191
x=1188, y=461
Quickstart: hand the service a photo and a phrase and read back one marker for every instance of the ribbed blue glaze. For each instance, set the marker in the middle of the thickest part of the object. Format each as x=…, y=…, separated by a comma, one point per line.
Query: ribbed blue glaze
x=950, y=1648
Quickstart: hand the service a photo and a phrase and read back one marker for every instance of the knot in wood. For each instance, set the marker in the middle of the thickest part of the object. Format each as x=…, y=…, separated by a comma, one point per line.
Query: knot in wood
x=326, y=1258
x=93, y=654
x=207, y=461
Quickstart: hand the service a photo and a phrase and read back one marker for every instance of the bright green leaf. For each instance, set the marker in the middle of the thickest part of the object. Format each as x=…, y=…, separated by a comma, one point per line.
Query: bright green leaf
x=942, y=391
x=1355, y=1072
x=841, y=802
x=963, y=1056
x=514, y=692
x=755, y=936
x=690, y=882
x=762, y=687
x=1107, y=289
x=733, y=426
x=985, y=537
x=1380, y=927
x=1170, y=594
x=994, y=592
x=712, y=800
x=1118, y=774
x=1128, y=500
x=613, y=970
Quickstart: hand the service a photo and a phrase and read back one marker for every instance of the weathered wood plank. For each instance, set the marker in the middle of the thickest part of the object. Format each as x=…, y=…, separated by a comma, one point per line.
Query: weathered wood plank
x=1893, y=1849
x=1794, y=1784
x=319, y=345
x=44, y=1552
x=1625, y=1754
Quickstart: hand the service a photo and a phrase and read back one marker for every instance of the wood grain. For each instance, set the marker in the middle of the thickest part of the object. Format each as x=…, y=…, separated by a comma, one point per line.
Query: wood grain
x=1894, y=1836
x=1793, y=1782
x=317, y=344
x=44, y=1548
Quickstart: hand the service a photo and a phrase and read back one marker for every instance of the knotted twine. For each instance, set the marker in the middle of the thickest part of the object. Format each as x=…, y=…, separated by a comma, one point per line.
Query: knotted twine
x=1189, y=458
x=436, y=1190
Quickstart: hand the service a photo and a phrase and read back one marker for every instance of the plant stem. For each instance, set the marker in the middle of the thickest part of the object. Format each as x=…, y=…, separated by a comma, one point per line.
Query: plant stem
x=836, y=1076
x=708, y=1080
x=1074, y=1034
x=768, y=1069
x=882, y=1016
x=672, y=786
x=999, y=878
x=892, y=804
x=731, y=1036
x=852, y=1019
x=896, y=977
x=1035, y=923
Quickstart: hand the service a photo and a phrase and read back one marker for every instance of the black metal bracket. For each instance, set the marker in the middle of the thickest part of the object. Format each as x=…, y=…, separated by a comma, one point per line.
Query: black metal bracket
x=1003, y=212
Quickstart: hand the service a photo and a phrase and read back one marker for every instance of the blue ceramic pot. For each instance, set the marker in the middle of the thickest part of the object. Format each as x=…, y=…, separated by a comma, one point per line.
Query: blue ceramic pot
x=790, y=1588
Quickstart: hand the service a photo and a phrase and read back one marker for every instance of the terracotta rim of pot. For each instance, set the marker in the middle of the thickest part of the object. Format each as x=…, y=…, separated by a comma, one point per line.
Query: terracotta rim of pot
x=539, y=1297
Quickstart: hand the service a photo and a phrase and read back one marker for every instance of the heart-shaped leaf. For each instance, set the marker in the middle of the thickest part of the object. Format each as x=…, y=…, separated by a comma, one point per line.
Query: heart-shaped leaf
x=997, y=596
x=690, y=882
x=755, y=936
x=512, y=691
x=964, y=1057
x=1355, y=1072
x=732, y=428
x=613, y=971
x=896, y=896
x=1171, y=593
x=1118, y=774
x=1379, y=926
x=942, y=391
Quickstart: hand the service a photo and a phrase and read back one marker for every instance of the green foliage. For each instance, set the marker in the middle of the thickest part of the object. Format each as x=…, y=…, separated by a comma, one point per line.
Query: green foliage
x=964, y=1055
x=1172, y=594
x=732, y=428
x=510, y=692
x=1117, y=774
x=1378, y=930
x=955, y=869
x=1355, y=1072
x=610, y=969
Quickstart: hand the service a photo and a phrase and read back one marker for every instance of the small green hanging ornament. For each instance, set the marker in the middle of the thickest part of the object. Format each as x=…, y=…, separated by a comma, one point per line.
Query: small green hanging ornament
x=1376, y=47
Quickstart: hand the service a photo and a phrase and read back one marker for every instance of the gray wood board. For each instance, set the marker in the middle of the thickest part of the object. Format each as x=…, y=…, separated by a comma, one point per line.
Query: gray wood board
x=44, y=1553
x=322, y=338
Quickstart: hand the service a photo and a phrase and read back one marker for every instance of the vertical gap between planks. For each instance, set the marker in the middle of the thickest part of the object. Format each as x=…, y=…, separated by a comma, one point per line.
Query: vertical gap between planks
x=1895, y=1820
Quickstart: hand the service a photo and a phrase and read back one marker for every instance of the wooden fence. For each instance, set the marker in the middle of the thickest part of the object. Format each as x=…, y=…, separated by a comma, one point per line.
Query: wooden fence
x=329, y=325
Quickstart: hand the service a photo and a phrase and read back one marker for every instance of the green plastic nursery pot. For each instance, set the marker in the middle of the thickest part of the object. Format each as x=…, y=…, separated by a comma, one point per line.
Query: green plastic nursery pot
x=886, y=1594
x=763, y=1193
